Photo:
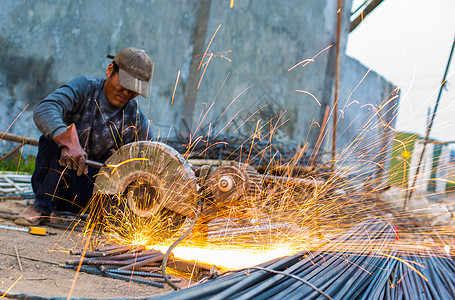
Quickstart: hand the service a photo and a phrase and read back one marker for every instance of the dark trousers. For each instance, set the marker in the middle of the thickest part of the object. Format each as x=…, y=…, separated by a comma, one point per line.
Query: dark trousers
x=56, y=189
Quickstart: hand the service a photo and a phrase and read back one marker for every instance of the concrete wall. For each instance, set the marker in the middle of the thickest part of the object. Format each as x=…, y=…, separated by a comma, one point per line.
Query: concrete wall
x=368, y=106
x=46, y=43
x=266, y=39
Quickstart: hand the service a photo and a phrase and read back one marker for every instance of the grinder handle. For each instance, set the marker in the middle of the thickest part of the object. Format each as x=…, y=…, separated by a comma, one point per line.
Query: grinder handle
x=94, y=164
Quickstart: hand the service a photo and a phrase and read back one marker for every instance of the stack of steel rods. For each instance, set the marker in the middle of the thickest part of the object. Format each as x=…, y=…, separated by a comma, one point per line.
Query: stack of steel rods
x=414, y=275
x=341, y=269
x=418, y=275
x=122, y=262
x=360, y=264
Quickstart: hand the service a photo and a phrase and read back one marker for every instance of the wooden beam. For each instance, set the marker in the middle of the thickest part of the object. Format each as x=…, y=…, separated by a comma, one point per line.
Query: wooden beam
x=18, y=139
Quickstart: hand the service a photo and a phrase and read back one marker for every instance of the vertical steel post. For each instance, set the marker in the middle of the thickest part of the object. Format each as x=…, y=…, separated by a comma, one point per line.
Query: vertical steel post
x=429, y=127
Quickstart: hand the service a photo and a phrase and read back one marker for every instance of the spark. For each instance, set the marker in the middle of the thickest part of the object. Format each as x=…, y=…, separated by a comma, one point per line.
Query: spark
x=254, y=136
x=251, y=116
x=80, y=261
x=194, y=143
x=232, y=102
x=401, y=142
x=352, y=92
x=352, y=102
x=406, y=263
x=206, y=65
x=111, y=128
x=213, y=145
x=175, y=87
x=1, y=138
x=210, y=57
x=228, y=258
x=3, y=296
x=208, y=46
x=202, y=117
x=229, y=122
x=317, y=213
x=219, y=90
x=115, y=166
x=308, y=93
x=391, y=99
x=309, y=60
x=216, y=55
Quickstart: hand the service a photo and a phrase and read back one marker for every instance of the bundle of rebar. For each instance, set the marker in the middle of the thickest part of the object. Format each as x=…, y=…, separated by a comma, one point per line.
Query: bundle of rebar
x=415, y=275
x=360, y=264
x=124, y=262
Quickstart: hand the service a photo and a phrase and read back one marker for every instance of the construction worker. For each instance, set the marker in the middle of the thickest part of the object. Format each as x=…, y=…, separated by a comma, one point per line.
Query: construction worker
x=87, y=118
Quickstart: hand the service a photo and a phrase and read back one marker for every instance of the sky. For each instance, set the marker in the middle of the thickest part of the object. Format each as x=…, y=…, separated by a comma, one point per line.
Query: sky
x=408, y=42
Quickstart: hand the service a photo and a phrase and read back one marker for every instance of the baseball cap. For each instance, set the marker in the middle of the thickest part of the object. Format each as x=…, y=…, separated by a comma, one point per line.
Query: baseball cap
x=135, y=69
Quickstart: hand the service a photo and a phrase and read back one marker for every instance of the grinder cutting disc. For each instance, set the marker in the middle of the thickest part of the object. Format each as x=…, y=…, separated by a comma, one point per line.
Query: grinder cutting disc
x=153, y=177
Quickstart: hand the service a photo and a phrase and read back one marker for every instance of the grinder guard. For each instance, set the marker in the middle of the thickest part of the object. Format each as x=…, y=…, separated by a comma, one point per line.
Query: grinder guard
x=152, y=176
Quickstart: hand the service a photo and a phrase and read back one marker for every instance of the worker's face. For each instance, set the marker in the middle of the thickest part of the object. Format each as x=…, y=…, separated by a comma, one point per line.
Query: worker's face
x=117, y=95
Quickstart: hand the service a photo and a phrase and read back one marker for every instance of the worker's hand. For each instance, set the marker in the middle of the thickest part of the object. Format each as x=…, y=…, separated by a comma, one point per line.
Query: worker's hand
x=72, y=156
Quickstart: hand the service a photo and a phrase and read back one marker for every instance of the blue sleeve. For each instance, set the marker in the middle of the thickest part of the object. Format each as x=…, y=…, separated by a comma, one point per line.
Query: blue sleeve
x=50, y=113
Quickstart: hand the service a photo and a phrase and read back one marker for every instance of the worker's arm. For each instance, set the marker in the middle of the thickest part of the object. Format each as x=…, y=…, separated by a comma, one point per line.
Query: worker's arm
x=72, y=155
x=52, y=115
x=52, y=112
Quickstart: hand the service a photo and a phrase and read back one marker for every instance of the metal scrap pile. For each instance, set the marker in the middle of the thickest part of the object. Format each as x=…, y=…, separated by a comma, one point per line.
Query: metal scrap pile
x=15, y=185
x=124, y=262
x=360, y=264
x=253, y=152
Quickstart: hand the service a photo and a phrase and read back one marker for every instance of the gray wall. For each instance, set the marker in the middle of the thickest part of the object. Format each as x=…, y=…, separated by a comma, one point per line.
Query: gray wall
x=46, y=43
x=368, y=107
x=267, y=38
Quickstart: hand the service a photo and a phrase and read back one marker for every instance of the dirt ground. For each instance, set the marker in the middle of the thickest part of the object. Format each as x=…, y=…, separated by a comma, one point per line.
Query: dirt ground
x=41, y=256
x=41, y=275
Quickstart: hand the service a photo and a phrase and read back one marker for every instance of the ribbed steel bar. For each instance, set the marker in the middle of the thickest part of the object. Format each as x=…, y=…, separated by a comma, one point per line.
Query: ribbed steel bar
x=242, y=284
x=443, y=270
x=376, y=289
x=116, y=262
x=208, y=289
x=96, y=271
x=132, y=273
x=129, y=255
x=419, y=282
x=323, y=272
x=360, y=264
x=273, y=280
x=143, y=262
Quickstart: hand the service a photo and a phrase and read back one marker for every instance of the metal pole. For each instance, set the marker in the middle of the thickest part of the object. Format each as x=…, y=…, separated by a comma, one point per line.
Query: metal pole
x=337, y=75
x=430, y=125
x=370, y=7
